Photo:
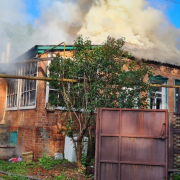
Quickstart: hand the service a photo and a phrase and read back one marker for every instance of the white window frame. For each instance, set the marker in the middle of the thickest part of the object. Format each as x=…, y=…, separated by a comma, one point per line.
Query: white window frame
x=19, y=93
x=12, y=108
x=164, y=92
x=163, y=98
x=47, y=93
x=28, y=107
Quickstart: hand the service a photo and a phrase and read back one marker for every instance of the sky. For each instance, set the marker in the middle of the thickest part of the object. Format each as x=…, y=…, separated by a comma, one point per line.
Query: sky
x=152, y=25
x=170, y=8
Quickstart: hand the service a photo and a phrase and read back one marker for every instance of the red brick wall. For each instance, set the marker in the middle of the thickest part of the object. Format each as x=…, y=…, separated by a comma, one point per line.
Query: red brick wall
x=172, y=74
x=37, y=128
x=2, y=97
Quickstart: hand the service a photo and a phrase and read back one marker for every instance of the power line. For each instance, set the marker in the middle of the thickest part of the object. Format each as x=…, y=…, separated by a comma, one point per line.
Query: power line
x=173, y=1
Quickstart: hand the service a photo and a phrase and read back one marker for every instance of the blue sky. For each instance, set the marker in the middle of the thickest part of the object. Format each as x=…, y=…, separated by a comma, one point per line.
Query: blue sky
x=171, y=10
x=32, y=9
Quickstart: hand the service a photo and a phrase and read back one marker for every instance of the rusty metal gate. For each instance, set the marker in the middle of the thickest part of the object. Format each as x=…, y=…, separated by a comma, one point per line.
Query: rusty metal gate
x=131, y=144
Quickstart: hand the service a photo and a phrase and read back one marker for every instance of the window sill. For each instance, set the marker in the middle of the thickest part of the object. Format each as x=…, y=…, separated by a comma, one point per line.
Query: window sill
x=27, y=107
x=11, y=109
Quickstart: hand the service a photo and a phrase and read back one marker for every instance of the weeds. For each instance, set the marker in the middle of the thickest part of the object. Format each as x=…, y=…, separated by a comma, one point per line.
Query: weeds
x=49, y=162
x=84, y=160
x=62, y=177
x=16, y=168
x=45, y=162
x=9, y=177
x=176, y=176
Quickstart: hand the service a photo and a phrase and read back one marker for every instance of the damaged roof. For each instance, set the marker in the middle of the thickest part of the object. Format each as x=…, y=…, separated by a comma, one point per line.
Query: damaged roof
x=150, y=55
x=38, y=49
x=154, y=55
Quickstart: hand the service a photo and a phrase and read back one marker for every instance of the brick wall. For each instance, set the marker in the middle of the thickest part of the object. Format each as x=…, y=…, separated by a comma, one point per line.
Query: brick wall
x=171, y=73
x=2, y=97
x=37, y=128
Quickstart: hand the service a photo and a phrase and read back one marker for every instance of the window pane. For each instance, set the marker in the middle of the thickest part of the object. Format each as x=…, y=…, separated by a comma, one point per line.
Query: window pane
x=158, y=98
x=28, y=89
x=32, y=98
x=12, y=86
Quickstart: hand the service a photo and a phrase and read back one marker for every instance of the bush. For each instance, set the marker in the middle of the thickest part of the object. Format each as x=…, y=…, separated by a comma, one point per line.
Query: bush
x=177, y=176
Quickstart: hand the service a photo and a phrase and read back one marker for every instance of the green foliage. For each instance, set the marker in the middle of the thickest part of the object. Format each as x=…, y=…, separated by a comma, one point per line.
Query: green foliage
x=50, y=162
x=62, y=176
x=106, y=78
x=16, y=168
x=90, y=176
x=9, y=177
x=102, y=76
x=176, y=177
x=84, y=159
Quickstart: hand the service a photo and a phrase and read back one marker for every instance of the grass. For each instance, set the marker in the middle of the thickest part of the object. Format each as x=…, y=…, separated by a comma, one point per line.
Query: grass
x=9, y=177
x=16, y=168
x=49, y=162
x=46, y=167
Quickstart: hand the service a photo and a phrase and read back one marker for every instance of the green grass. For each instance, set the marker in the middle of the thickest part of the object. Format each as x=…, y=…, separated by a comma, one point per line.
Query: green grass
x=16, y=167
x=49, y=162
x=9, y=177
x=62, y=177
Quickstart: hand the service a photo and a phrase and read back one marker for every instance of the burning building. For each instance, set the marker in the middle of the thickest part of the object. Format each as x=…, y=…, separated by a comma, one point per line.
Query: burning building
x=34, y=124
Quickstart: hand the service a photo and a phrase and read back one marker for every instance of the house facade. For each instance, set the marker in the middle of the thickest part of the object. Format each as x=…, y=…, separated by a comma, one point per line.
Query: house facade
x=34, y=125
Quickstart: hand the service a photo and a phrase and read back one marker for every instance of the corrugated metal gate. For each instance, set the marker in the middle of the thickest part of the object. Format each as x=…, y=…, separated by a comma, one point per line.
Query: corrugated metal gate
x=131, y=144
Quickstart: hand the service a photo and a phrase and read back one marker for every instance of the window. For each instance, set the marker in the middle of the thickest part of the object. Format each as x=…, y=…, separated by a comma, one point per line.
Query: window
x=126, y=100
x=53, y=92
x=12, y=94
x=23, y=90
x=177, y=96
x=158, y=98
x=129, y=96
x=28, y=87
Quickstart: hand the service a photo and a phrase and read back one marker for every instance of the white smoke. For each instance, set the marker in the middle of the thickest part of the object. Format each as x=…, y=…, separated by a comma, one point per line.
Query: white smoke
x=58, y=22
x=147, y=31
x=14, y=28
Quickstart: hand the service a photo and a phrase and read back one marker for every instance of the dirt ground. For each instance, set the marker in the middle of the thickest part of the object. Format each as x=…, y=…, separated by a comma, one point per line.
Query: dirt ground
x=64, y=171
x=69, y=170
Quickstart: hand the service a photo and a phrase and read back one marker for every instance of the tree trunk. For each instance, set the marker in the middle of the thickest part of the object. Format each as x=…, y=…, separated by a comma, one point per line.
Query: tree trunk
x=79, y=153
x=91, y=150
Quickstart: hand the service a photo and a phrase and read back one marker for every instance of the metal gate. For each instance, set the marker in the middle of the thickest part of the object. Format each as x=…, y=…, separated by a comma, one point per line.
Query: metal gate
x=131, y=144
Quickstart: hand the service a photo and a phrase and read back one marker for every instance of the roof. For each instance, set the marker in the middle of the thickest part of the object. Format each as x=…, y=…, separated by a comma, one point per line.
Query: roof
x=149, y=55
x=38, y=49
x=154, y=54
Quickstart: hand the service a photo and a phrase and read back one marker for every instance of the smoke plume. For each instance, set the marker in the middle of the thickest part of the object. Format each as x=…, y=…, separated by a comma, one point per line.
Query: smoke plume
x=147, y=31
x=148, y=34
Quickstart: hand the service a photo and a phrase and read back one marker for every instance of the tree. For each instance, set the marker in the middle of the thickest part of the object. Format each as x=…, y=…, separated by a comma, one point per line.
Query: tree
x=106, y=78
